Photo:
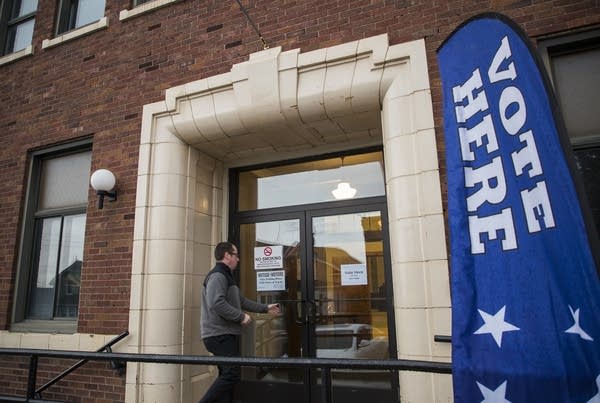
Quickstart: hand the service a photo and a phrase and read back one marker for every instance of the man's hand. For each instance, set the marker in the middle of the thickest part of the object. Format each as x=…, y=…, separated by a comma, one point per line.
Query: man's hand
x=247, y=319
x=274, y=309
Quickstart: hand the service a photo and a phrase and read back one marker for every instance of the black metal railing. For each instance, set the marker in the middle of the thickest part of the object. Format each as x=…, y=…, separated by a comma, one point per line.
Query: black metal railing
x=325, y=364
x=442, y=338
x=117, y=365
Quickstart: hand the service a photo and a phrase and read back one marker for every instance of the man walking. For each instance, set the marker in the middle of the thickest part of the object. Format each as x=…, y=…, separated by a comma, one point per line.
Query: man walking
x=222, y=318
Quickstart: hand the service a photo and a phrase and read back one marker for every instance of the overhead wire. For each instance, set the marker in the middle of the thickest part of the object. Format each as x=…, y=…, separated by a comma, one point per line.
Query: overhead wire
x=265, y=46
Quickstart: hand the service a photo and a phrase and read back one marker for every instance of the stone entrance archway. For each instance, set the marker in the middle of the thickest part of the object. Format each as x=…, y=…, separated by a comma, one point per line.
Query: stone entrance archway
x=276, y=106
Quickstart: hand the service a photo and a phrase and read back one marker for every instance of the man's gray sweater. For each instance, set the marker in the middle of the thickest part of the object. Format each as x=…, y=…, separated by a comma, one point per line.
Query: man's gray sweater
x=223, y=306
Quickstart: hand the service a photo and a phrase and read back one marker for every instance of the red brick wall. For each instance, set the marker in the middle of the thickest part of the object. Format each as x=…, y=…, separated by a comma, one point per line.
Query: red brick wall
x=96, y=85
x=92, y=382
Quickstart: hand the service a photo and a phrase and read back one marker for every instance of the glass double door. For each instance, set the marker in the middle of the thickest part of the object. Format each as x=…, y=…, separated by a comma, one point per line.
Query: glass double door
x=327, y=270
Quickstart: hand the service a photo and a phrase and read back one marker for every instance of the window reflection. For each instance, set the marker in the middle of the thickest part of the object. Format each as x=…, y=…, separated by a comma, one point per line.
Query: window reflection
x=77, y=13
x=19, y=25
x=349, y=290
x=89, y=11
x=71, y=258
x=311, y=182
x=23, y=35
x=26, y=7
x=42, y=290
x=54, y=276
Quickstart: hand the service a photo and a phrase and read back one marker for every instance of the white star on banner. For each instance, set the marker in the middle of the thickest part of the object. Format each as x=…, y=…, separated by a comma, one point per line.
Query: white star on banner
x=576, y=328
x=494, y=396
x=495, y=325
x=596, y=398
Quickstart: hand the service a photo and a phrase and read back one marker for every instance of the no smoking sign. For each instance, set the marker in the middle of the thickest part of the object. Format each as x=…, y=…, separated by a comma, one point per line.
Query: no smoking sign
x=268, y=257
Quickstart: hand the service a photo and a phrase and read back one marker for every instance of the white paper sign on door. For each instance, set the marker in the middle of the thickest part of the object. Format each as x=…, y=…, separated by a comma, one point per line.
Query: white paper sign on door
x=268, y=257
x=273, y=280
x=354, y=274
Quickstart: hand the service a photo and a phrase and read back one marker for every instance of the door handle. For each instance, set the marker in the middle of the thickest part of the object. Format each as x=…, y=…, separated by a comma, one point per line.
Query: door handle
x=299, y=313
x=305, y=311
x=312, y=310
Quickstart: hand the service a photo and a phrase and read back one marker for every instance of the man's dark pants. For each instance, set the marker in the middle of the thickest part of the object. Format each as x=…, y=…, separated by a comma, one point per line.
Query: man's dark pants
x=221, y=391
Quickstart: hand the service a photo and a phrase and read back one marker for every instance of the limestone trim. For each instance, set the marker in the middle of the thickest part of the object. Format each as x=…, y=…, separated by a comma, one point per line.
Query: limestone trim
x=76, y=33
x=144, y=8
x=279, y=105
x=57, y=341
x=11, y=57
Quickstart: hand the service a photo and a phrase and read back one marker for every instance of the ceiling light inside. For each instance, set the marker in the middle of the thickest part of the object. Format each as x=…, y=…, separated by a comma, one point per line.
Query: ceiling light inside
x=343, y=191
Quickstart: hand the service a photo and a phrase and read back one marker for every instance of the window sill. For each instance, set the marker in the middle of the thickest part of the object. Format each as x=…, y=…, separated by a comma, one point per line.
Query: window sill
x=45, y=326
x=144, y=8
x=76, y=33
x=16, y=55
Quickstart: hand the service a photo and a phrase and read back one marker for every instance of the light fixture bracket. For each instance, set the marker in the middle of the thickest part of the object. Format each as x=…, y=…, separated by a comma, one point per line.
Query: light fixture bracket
x=112, y=196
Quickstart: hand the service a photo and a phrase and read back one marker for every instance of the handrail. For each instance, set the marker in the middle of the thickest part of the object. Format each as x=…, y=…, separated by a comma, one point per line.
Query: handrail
x=338, y=363
x=442, y=338
x=107, y=346
x=325, y=363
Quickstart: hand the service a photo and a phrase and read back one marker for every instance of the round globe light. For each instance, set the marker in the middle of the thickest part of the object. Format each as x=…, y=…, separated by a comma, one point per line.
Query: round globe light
x=103, y=180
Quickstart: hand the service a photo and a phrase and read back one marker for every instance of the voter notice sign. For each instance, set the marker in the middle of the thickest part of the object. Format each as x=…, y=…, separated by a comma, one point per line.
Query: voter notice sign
x=271, y=280
x=354, y=274
x=268, y=257
x=525, y=291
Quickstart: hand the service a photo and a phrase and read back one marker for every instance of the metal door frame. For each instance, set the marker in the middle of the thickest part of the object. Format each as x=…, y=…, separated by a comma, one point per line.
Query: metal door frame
x=357, y=207
x=305, y=213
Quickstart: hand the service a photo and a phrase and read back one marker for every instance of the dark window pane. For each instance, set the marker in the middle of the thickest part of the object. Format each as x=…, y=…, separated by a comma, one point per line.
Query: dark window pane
x=71, y=257
x=77, y=13
x=588, y=164
x=577, y=82
x=11, y=33
x=574, y=68
x=18, y=27
x=41, y=297
x=56, y=275
x=50, y=268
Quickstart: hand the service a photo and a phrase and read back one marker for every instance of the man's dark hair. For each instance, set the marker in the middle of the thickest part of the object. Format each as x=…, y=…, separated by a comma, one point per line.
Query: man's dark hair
x=221, y=248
